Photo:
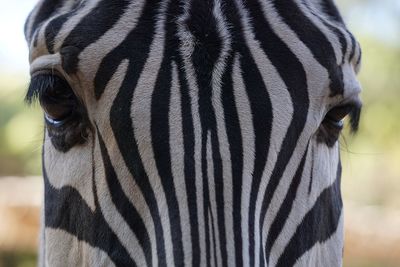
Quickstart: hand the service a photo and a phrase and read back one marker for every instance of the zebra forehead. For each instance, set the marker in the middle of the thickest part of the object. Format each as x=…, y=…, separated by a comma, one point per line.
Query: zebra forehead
x=85, y=21
x=69, y=27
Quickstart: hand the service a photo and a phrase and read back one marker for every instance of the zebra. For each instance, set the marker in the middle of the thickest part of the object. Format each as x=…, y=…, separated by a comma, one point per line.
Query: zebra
x=192, y=132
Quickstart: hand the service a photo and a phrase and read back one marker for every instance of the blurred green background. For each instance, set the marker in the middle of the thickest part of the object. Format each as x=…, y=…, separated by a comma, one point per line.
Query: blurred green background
x=371, y=159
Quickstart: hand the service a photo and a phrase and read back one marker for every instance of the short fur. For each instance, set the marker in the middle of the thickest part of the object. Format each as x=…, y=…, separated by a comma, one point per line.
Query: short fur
x=205, y=141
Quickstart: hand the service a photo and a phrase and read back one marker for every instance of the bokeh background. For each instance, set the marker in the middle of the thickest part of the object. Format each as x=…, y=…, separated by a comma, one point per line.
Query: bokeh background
x=371, y=159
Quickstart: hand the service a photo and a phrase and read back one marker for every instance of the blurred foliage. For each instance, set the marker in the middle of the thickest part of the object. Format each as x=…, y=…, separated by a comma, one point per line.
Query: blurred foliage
x=20, y=128
x=371, y=158
x=18, y=259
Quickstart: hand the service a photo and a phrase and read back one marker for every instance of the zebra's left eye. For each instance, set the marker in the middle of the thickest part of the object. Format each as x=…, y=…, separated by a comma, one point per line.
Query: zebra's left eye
x=333, y=123
x=335, y=117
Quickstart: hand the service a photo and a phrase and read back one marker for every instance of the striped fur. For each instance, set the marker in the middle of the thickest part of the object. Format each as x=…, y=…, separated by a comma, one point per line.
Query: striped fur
x=202, y=147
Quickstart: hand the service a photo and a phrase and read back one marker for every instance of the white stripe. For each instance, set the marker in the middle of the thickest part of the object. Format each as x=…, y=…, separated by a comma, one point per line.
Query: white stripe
x=247, y=131
x=72, y=251
x=177, y=160
x=328, y=253
x=224, y=151
x=141, y=119
x=214, y=235
x=279, y=97
x=357, y=54
x=300, y=207
x=331, y=37
x=64, y=8
x=225, y=38
x=317, y=76
x=211, y=238
x=316, y=86
x=186, y=50
x=327, y=164
x=285, y=180
x=128, y=184
x=40, y=49
x=32, y=18
x=72, y=22
x=319, y=13
x=113, y=218
x=64, y=169
x=322, y=164
x=89, y=64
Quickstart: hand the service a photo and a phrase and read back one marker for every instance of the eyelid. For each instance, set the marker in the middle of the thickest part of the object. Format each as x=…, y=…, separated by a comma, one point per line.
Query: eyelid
x=338, y=113
x=53, y=122
x=37, y=86
x=353, y=111
x=41, y=81
x=45, y=71
x=355, y=115
x=51, y=62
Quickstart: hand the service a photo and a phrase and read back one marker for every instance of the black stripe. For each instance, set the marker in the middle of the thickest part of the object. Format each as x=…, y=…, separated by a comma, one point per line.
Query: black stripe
x=65, y=209
x=35, y=37
x=189, y=164
x=314, y=39
x=140, y=37
x=124, y=206
x=94, y=25
x=286, y=207
x=236, y=151
x=358, y=61
x=121, y=121
x=213, y=236
x=160, y=128
x=261, y=110
x=26, y=25
x=331, y=27
x=312, y=170
x=46, y=10
x=353, y=46
x=176, y=9
x=202, y=25
x=219, y=195
x=293, y=75
x=323, y=218
x=206, y=196
x=122, y=128
x=330, y=8
x=160, y=141
x=55, y=25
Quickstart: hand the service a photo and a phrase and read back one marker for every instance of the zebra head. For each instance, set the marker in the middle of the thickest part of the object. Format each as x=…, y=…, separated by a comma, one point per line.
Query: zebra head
x=192, y=132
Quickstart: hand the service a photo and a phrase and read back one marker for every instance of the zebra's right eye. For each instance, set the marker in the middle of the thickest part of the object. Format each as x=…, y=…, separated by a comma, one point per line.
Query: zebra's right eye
x=59, y=102
x=66, y=118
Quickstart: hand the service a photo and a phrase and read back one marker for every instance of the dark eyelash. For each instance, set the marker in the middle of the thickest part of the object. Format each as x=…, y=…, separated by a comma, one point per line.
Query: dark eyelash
x=355, y=118
x=42, y=82
x=38, y=86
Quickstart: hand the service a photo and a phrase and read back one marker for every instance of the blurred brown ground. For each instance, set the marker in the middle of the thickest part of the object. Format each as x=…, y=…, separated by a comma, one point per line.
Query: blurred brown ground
x=372, y=236
x=20, y=200
x=372, y=233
